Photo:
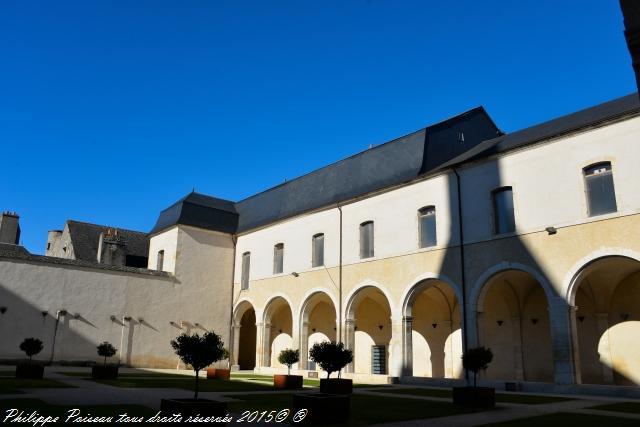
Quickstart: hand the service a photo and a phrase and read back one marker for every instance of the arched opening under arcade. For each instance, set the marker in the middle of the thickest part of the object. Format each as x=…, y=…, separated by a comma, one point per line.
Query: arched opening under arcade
x=317, y=324
x=244, y=336
x=278, y=331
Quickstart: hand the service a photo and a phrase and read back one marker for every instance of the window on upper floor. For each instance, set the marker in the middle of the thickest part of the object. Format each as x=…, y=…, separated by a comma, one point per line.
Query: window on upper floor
x=317, y=250
x=427, y=226
x=278, y=258
x=503, y=216
x=601, y=194
x=246, y=265
x=160, y=260
x=366, y=239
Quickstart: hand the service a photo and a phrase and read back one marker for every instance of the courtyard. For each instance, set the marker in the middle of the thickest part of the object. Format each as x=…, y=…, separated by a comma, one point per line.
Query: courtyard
x=136, y=394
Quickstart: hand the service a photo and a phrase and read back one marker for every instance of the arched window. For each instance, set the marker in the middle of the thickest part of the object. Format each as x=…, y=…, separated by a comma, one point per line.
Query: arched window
x=503, y=216
x=317, y=250
x=246, y=265
x=601, y=194
x=160, y=260
x=366, y=240
x=427, y=226
x=278, y=258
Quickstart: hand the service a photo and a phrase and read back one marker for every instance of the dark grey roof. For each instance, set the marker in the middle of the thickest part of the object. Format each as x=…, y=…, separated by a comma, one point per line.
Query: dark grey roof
x=389, y=164
x=199, y=210
x=589, y=117
x=85, y=238
x=8, y=248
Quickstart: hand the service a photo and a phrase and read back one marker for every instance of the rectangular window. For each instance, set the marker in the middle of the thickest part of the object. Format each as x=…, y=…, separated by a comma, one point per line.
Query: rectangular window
x=366, y=240
x=601, y=195
x=160, y=261
x=427, y=218
x=278, y=258
x=378, y=359
x=246, y=261
x=504, y=218
x=317, y=250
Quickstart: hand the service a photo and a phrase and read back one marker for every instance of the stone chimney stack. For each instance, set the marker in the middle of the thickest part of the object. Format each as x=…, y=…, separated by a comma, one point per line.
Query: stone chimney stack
x=9, y=228
x=112, y=249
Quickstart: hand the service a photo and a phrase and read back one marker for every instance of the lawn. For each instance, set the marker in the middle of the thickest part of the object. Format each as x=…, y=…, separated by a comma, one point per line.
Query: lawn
x=562, y=419
x=12, y=385
x=188, y=384
x=365, y=409
x=628, y=407
x=526, y=399
x=141, y=374
x=44, y=409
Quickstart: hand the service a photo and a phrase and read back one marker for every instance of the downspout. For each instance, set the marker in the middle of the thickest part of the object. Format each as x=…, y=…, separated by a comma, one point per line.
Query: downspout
x=234, y=239
x=340, y=338
x=462, y=270
x=55, y=333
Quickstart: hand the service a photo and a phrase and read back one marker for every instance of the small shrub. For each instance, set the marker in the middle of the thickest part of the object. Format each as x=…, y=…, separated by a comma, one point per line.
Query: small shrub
x=198, y=351
x=476, y=360
x=106, y=350
x=31, y=347
x=330, y=356
x=289, y=357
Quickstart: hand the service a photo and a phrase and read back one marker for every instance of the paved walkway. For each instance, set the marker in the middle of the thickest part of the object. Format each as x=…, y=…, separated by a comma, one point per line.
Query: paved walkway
x=87, y=392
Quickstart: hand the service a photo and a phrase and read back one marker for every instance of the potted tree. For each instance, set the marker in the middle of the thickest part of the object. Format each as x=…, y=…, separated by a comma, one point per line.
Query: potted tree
x=475, y=360
x=332, y=357
x=198, y=352
x=220, y=373
x=332, y=404
x=105, y=372
x=288, y=357
x=31, y=347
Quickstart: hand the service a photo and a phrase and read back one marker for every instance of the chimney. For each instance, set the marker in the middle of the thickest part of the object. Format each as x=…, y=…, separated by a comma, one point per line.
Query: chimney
x=112, y=248
x=9, y=228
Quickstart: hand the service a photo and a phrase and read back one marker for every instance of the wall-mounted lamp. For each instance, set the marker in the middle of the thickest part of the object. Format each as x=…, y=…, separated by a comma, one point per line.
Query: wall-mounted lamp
x=380, y=327
x=551, y=230
x=44, y=313
x=624, y=316
x=294, y=274
x=127, y=318
x=174, y=324
x=77, y=316
x=581, y=319
x=355, y=328
x=534, y=320
x=314, y=329
x=140, y=319
x=62, y=312
x=279, y=331
x=500, y=322
x=113, y=318
x=435, y=325
x=3, y=310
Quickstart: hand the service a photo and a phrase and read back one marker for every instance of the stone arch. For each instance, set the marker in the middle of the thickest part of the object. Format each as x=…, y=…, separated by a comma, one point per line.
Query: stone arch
x=244, y=335
x=317, y=322
x=351, y=297
x=277, y=329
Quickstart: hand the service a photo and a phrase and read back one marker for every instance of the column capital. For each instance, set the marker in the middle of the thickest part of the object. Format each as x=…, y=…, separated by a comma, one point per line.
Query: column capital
x=407, y=319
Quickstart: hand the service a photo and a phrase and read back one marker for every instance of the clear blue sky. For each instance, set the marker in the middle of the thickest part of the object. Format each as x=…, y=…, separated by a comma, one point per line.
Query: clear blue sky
x=112, y=110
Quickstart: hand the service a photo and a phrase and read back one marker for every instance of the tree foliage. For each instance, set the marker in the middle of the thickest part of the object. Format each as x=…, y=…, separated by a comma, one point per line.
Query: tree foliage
x=31, y=347
x=198, y=351
x=476, y=360
x=330, y=356
x=106, y=350
x=289, y=357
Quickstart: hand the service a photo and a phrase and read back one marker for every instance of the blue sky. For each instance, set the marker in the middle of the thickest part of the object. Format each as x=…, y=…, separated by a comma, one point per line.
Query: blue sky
x=112, y=110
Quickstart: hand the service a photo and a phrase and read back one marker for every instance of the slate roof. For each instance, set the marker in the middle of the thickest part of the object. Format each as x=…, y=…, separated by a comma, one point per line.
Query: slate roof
x=85, y=238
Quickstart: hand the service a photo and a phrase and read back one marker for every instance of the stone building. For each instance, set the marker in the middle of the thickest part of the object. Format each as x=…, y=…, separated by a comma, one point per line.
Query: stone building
x=454, y=236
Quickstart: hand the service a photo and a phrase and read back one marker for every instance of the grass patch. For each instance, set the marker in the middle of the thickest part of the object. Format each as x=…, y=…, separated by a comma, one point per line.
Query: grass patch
x=29, y=405
x=365, y=410
x=13, y=385
x=187, y=384
x=7, y=373
x=562, y=419
x=525, y=399
x=130, y=375
x=627, y=407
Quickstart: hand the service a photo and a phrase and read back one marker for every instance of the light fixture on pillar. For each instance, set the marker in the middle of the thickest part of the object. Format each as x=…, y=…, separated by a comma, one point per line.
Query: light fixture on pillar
x=3, y=310
x=127, y=318
x=380, y=327
x=581, y=319
x=624, y=316
x=279, y=331
x=534, y=320
x=435, y=325
x=294, y=274
x=44, y=313
x=551, y=231
x=313, y=329
x=77, y=316
x=355, y=328
x=175, y=325
x=500, y=322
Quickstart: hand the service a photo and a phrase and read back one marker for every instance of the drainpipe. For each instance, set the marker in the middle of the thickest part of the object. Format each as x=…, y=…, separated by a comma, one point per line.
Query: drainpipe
x=234, y=239
x=121, y=341
x=55, y=333
x=462, y=270
x=340, y=338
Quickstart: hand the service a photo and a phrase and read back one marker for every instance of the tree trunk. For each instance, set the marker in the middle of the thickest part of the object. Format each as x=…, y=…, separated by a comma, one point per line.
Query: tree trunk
x=197, y=378
x=105, y=361
x=475, y=379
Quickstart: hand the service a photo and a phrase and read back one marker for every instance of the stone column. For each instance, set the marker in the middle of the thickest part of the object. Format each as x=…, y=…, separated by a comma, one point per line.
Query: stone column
x=518, y=357
x=574, y=342
x=259, y=344
x=561, y=341
x=407, y=346
x=266, y=346
x=604, y=348
x=396, y=350
x=448, y=367
x=304, y=345
x=350, y=341
x=235, y=355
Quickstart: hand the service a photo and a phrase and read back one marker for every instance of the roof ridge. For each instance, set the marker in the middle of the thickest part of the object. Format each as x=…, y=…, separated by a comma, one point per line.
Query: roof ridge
x=104, y=226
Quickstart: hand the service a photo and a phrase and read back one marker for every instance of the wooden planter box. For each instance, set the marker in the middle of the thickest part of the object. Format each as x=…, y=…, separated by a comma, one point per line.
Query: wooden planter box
x=192, y=407
x=109, y=372
x=323, y=408
x=336, y=386
x=474, y=397
x=218, y=374
x=33, y=371
x=288, y=382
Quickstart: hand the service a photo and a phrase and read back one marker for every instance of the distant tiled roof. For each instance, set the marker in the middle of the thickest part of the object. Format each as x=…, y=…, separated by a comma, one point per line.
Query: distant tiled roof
x=85, y=238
